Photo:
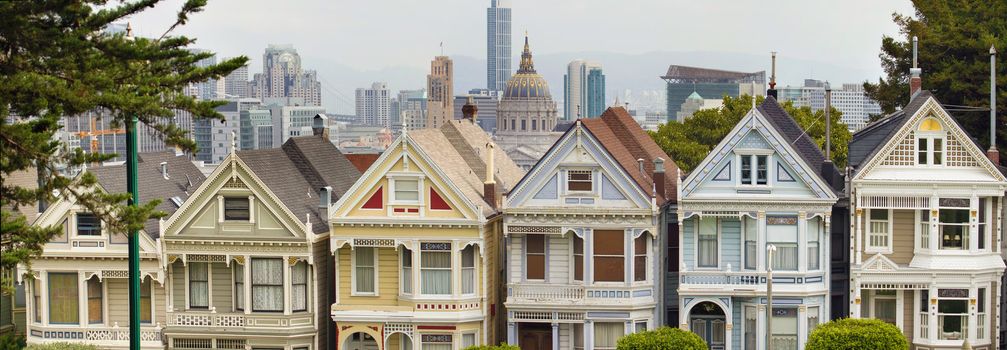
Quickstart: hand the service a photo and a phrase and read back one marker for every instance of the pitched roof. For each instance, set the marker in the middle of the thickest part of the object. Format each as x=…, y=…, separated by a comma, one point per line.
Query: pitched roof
x=362, y=161
x=626, y=141
x=458, y=148
x=806, y=147
x=298, y=170
x=865, y=143
x=183, y=176
x=27, y=179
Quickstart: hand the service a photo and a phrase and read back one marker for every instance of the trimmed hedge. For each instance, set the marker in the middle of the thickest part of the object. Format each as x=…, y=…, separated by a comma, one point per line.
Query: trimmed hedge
x=502, y=346
x=855, y=334
x=664, y=338
x=61, y=346
x=12, y=342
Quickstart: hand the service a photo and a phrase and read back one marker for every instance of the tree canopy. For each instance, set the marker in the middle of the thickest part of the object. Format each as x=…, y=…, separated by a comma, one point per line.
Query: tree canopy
x=58, y=59
x=689, y=142
x=954, y=43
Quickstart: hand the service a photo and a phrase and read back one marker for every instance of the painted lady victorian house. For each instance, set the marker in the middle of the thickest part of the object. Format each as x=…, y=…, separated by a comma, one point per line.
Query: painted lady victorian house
x=76, y=291
x=760, y=187
x=246, y=256
x=415, y=243
x=927, y=228
x=581, y=238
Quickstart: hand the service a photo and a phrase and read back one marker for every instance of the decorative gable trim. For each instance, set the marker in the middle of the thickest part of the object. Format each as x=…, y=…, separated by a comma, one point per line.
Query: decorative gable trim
x=754, y=121
x=899, y=149
x=879, y=263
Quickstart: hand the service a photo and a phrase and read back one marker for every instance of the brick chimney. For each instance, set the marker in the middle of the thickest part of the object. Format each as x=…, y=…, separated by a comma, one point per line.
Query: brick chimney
x=915, y=82
x=659, y=177
x=470, y=110
x=490, y=185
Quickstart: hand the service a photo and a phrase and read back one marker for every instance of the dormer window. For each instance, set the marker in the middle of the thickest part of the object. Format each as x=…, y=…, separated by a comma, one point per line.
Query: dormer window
x=88, y=225
x=236, y=209
x=754, y=169
x=930, y=143
x=579, y=181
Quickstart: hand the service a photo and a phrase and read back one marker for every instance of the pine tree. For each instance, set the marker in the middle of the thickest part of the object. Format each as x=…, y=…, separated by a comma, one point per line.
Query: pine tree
x=57, y=59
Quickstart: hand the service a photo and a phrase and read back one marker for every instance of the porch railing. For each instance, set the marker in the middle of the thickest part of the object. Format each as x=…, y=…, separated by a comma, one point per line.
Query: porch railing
x=103, y=334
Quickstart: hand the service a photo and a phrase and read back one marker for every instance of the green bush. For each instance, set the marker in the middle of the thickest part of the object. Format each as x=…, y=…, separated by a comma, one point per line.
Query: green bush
x=12, y=342
x=850, y=334
x=664, y=338
x=62, y=346
x=502, y=346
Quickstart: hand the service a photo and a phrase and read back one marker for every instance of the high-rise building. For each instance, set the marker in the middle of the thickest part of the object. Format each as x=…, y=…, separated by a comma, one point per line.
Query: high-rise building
x=498, y=44
x=440, y=88
x=206, y=90
x=583, y=90
x=682, y=81
x=400, y=104
x=257, y=129
x=282, y=76
x=414, y=112
x=214, y=137
x=526, y=116
x=851, y=100
x=372, y=105
x=293, y=121
x=486, y=101
x=236, y=83
x=93, y=132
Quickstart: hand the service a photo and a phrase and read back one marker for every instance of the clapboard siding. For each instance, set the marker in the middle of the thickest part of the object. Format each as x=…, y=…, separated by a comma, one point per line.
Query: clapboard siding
x=689, y=244
x=118, y=300
x=903, y=233
x=388, y=279
x=730, y=241
x=907, y=313
x=223, y=287
x=559, y=259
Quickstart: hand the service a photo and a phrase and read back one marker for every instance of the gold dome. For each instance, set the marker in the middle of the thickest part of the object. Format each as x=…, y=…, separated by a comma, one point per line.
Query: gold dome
x=526, y=83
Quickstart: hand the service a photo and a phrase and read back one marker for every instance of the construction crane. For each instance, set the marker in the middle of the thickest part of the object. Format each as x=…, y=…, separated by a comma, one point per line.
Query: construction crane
x=94, y=133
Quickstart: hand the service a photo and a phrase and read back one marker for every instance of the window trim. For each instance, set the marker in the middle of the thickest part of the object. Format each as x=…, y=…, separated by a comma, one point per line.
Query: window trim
x=720, y=245
x=451, y=288
x=306, y=284
x=353, y=273
x=393, y=177
x=283, y=297
x=188, y=287
x=870, y=249
x=753, y=155
x=526, y=252
x=248, y=209
x=76, y=226
x=591, y=180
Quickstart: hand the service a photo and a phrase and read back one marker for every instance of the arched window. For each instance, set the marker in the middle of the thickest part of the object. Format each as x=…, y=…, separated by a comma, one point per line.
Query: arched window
x=930, y=142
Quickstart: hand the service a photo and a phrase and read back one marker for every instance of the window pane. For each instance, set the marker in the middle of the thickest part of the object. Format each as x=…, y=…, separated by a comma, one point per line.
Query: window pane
x=761, y=174
x=640, y=258
x=299, y=286
x=606, y=334
x=921, y=148
x=236, y=208
x=63, y=298
x=578, y=258
x=708, y=250
x=198, y=288
x=267, y=284
x=88, y=225
x=468, y=270
x=579, y=180
x=536, y=243
x=609, y=259
x=407, y=190
x=94, y=300
x=239, y=286
x=938, y=151
x=609, y=242
x=145, y=306
x=435, y=272
x=364, y=260
x=746, y=169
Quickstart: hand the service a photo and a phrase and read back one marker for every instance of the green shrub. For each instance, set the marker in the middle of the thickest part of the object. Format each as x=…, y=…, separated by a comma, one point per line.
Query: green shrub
x=849, y=333
x=62, y=346
x=12, y=342
x=502, y=346
x=664, y=338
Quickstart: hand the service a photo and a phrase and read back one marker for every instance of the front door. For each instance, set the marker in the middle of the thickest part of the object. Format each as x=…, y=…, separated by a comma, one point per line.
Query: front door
x=707, y=320
x=535, y=336
x=360, y=341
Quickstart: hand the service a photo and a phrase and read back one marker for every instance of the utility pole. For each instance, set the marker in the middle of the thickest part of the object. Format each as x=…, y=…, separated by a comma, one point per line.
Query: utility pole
x=134, y=240
x=770, y=249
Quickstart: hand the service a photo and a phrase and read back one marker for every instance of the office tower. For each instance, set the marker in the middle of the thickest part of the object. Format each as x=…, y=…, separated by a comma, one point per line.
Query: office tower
x=282, y=76
x=372, y=105
x=486, y=101
x=682, y=81
x=856, y=107
x=214, y=137
x=257, y=129
x=398, y=106
x=236, y=83
x=498, y=44
x=414, y=112
x=93, y=132
x=440, y=85
x=206, y=90
x=293, y=121
x=583, y=90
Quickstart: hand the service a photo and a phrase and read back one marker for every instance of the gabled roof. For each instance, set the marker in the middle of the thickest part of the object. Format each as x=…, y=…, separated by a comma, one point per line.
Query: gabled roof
x=799, y=140
x=183, y=177
x=626, y=141
x=865, y=143
x=298, y=170
x=458, y=148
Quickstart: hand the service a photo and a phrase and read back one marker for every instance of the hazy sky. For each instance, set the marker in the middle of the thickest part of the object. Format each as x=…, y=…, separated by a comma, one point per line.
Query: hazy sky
x=382, y=34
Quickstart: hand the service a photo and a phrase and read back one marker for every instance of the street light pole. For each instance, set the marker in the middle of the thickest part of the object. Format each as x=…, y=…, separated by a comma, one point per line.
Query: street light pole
x=134, y=240
x=770, y=249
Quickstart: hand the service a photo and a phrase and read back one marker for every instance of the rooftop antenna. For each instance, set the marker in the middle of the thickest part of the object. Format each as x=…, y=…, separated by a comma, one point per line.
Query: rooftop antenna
x=772, y=78
x=993, y=153
x=442, y=48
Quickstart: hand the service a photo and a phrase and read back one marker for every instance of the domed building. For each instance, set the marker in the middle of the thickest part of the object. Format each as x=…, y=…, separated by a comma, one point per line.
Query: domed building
x=526, y=115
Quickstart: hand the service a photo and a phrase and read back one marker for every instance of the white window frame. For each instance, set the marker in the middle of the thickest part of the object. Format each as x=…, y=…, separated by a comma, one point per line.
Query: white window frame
x=394, y=177
x=753, y=181
x=475, y=270
x=451, y=290
x=353, y=273
x=929, y=137
x=818, y=239
x=403, y=274
x=967, y=232
x=647, y=274
x=868, y=248
x=720, y=245
x=76, y=227
x=594, y=183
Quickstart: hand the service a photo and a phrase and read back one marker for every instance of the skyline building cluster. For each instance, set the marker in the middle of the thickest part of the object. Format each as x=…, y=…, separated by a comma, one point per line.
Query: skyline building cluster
x=851, y=100
x=583, y=90
x=283, y=77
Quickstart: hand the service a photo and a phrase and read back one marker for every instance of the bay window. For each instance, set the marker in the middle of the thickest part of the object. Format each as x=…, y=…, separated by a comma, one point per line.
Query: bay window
x=640, y=258
x=145, y=304
x=436, y=342
x=199, y=290
x=953, y=225
x=469, y=270
x=267, y=284
x=879, y=230
x=751, y=228
x=784, y=335
x=578, y=258
x=63, y=298
x=299, y=286
x=407, y=271
x=94, y=301
x=239, y=286
x=708, y=250
x=607, y=334
x=814, y=237
x=435, y=268
x=365, y=270
x=781, y=231
x=609, y=256
x=952, y=314
x=534, y=257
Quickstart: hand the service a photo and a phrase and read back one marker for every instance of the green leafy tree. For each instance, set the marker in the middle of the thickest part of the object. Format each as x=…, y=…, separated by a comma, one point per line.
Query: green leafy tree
x=664, y=338
x=851, y=334
x=689, y=142
x=502, y=346
x=57, y=59
x=955, y=38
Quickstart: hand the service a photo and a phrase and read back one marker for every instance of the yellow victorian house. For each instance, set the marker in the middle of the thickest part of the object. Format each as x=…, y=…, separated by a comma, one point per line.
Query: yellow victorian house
x=415, y=243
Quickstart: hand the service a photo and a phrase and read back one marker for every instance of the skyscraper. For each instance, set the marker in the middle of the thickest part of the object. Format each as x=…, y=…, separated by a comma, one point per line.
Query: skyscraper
x=236, y=83
x=206, y=90
x=440, y=85
x=583, y=90
x=372, y=105
x=498, y=44
x=282, y=76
